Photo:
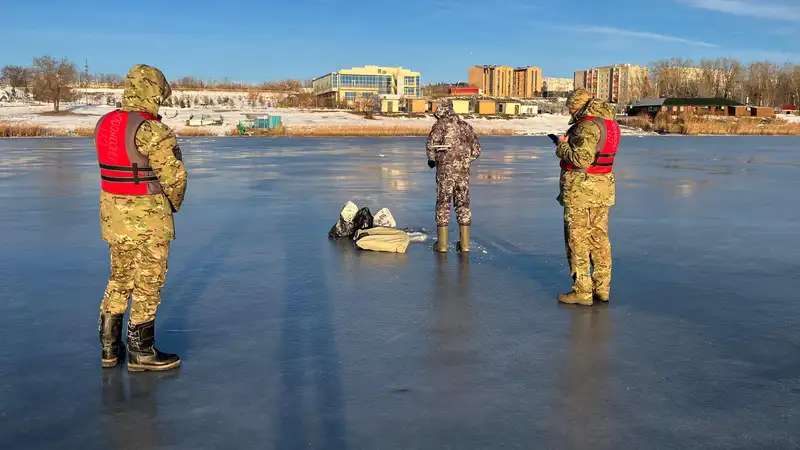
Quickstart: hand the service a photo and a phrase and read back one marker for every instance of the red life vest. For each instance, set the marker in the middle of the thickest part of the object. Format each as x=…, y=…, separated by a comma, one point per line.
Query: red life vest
x=123, y=170
x=606, y=148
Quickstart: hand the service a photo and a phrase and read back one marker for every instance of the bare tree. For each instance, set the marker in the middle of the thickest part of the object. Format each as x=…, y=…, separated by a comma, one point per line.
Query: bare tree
x=676, y=77
x=51, y=80
x=16, y=76
x=762, y=83
x=110, y=79
x=789, y=85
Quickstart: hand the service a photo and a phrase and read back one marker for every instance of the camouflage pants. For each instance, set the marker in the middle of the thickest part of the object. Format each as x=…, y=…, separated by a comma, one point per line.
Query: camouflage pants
x=586, y=236
x=138, y=271
x=453, y=188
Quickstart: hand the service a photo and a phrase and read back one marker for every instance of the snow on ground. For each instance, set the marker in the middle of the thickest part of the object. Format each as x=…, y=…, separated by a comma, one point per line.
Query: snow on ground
x=236, y=107
x=79, y=116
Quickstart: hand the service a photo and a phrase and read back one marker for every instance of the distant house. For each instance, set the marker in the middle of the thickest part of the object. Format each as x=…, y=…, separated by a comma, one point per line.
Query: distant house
x=508, y=108
x=528, y=109
x=416, y=106
x=390, y=105
x=708, y=106
x=486, y=107
x=762, y=111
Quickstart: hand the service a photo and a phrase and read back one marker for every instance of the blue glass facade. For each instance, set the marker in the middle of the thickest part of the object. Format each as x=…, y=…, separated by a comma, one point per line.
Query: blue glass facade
x=413, y=88
x=382, y=83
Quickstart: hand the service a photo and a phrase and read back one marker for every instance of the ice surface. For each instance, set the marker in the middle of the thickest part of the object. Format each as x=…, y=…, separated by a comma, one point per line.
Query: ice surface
x=290, y=340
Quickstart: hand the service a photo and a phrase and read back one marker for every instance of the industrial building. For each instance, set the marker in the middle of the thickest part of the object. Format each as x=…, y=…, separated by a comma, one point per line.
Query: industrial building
x=557, y=87
x=619, y=83
x=345, y=86
x=506, y=81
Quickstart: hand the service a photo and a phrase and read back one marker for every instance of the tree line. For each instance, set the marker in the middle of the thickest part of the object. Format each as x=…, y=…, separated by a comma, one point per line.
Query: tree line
x=51, y=80
x=761, y=83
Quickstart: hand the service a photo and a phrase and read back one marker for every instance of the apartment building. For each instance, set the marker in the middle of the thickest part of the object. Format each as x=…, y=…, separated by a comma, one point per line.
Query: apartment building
x=506, y=81
x=346, y=85
x=554, y=87
x=620, y=83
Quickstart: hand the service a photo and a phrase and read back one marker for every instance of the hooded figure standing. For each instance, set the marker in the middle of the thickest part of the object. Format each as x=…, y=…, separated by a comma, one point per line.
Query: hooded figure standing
x=143, y=183
x=452, y=147
x=587, y=154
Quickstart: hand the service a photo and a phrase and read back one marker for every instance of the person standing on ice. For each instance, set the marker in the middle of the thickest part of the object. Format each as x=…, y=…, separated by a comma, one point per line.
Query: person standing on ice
x=143, y=182
x=587, y=153
x=452, y=147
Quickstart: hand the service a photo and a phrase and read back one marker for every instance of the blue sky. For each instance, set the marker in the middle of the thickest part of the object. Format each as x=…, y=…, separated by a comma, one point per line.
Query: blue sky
x=440, y=38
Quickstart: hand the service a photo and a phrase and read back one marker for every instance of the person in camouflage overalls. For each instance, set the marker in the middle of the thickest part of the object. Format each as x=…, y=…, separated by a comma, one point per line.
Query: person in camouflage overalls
x=143, y=183
x=452, y=147
x=587, y=192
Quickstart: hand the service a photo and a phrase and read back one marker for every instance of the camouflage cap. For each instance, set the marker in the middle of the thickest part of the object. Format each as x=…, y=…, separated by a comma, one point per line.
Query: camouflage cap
x=146, y=88
x=578, y=98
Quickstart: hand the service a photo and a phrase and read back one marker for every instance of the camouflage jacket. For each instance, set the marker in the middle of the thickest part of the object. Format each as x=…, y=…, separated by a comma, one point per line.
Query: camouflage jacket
x=147, y=218
x=453, y=144
x=582, y=189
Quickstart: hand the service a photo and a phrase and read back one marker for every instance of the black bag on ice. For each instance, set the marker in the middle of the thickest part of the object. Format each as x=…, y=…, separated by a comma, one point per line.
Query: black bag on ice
x=363, y=220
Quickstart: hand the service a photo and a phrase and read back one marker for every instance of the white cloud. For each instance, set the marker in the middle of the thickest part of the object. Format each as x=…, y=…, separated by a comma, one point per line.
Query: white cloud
x=765, y=9
x=616, y=32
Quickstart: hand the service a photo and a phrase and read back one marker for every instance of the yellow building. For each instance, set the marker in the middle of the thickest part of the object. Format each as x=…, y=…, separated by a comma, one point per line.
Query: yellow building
x=344, y=86
x=416, y=106
x=505, y=81
x=461, y=106
x=390, y=105
x=486, y=107
x=508, y=108
x=620, y=83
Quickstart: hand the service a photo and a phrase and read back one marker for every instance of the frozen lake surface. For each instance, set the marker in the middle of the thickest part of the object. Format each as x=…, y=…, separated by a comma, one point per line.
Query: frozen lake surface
x=292, y=341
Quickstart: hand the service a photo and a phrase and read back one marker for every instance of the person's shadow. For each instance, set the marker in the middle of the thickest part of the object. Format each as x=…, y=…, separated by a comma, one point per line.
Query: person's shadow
x=584, y=381
x=130, y=408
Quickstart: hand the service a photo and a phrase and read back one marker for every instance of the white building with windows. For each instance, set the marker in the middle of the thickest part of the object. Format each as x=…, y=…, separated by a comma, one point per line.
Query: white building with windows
x=347, y=85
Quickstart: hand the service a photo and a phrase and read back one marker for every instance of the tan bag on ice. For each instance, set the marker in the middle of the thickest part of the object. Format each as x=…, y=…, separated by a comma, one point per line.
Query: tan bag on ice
x=382, y=240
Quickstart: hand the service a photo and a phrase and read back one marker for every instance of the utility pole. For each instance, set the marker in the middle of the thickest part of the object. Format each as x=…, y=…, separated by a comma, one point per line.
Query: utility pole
x=86, y=79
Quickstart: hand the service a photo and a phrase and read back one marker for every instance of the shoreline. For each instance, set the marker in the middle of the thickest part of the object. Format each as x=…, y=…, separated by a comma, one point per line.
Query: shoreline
x=35, y=131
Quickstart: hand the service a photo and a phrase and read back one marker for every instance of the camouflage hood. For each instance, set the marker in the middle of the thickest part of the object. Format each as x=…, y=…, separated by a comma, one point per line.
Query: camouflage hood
x=146, y=88
x=444, y=110
x=595, y=108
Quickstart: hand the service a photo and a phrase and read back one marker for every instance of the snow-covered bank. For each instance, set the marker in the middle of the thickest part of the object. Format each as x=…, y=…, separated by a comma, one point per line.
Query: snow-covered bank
x=83, y=116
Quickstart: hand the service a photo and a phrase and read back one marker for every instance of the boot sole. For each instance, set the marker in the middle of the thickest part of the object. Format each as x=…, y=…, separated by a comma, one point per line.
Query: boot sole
x=144, y=368
x=578, y=304
x=110, y=363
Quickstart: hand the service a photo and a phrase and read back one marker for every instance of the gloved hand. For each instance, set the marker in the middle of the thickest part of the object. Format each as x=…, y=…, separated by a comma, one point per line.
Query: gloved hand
x=431, y=164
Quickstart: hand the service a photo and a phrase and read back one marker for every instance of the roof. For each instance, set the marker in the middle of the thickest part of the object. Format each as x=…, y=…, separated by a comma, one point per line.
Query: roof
x=648, y=102
x=700, y=102
x=657, y=102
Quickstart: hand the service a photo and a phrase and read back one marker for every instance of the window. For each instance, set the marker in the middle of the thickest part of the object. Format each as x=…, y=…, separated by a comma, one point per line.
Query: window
x=350, y=96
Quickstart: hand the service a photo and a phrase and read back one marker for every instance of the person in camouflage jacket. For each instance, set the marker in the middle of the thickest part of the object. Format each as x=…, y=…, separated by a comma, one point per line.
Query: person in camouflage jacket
x=451, y=148
x=139, y=228
x=586, y=198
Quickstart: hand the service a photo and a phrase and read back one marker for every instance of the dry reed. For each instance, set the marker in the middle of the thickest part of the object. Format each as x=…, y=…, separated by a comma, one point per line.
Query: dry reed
x=377, y=131
x=195, y=132
x=692, y=125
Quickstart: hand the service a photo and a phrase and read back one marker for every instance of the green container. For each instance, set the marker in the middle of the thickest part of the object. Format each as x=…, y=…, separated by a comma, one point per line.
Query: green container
x=274, y=122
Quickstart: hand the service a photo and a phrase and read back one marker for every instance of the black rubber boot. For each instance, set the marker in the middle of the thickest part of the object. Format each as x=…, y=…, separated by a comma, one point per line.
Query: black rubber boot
x=110, y=328
x=142, y=352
